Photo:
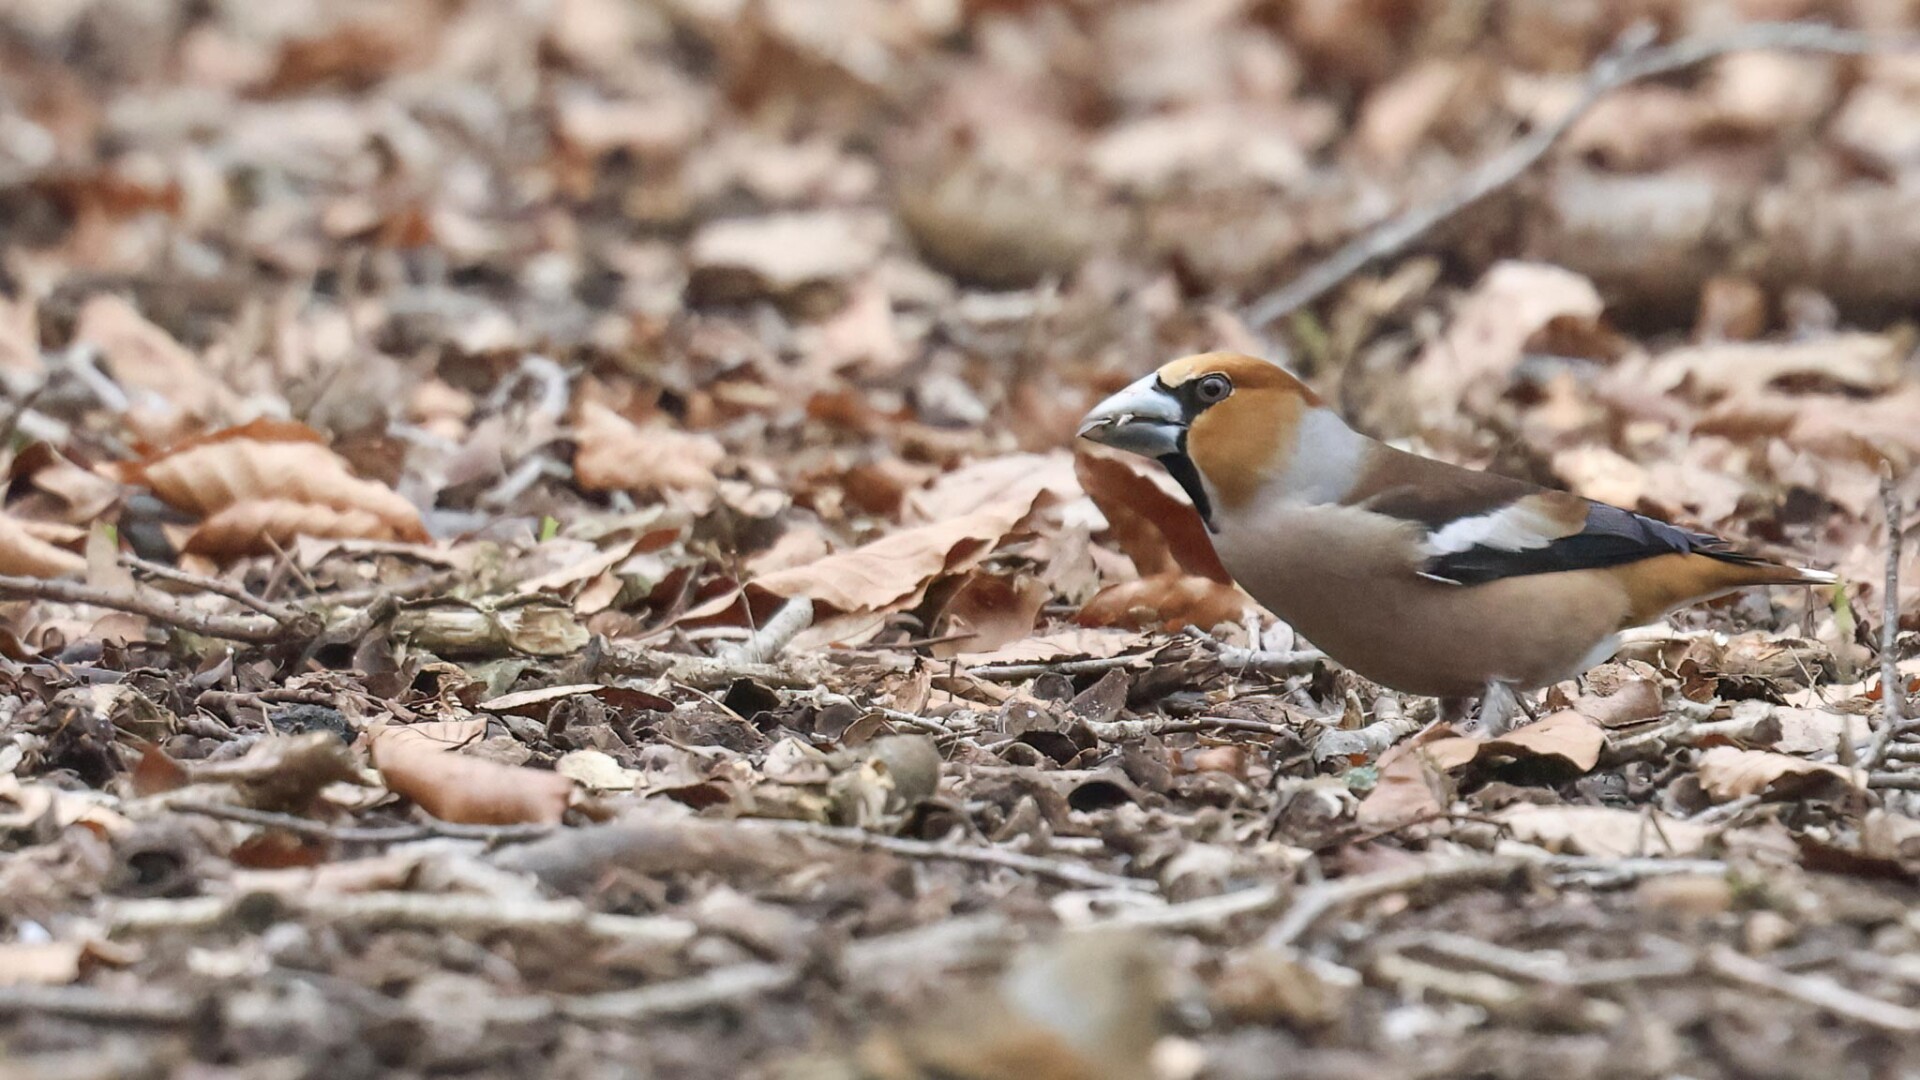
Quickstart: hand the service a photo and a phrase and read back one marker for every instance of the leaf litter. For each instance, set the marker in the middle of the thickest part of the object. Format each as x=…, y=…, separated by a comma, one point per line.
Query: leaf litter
x=542, y=541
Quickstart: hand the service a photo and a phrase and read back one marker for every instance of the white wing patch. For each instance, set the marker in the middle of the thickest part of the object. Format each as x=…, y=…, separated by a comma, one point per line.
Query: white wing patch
x=1520, y=527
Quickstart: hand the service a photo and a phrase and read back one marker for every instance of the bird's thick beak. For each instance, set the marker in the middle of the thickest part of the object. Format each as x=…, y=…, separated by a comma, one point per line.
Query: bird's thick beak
x=1145, y=418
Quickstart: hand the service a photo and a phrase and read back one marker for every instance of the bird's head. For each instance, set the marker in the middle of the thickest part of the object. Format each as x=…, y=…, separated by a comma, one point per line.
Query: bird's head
x=1221, y=423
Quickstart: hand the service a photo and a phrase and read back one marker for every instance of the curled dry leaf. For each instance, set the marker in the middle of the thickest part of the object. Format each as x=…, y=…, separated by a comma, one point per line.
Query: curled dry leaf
x=894, y=571
x=454, y=787
x=1168, y=601
x=26, y=555
x=1417, y=777
x=1728, y=772
x=273, y=479
x=617, y=455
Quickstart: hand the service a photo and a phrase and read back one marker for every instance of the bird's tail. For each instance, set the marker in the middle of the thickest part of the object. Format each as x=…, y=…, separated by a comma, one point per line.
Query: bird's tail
x=1754, y=570
x=1658, y=586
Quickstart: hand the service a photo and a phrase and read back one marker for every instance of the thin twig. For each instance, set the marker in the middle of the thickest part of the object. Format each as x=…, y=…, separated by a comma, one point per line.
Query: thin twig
x=362, y=834
x=1296, y=662
x=19, y=412
x=1893, y=688
x=941, y=946
x=1126, y=730
x=1315, y=902
x=160, y=608
x=1390, y=726
x=440, y=911
x=279, y=613
x=1611, y=72
x=1815, y=990
x=1064, y=872
x=1021, y=672
x=124, y=1005
x=767, y=642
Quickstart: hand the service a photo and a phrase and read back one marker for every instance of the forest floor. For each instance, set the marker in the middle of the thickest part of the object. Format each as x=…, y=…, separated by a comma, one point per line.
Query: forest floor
x=544, y=538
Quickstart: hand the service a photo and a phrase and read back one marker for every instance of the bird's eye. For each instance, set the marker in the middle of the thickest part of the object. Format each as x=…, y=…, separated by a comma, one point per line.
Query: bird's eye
x=1213, y=388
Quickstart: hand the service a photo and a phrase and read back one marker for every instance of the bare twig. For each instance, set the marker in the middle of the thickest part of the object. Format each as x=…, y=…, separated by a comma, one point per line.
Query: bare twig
x=1315, y=902
x=1631, y=63
x=1124, y=730
x=360, y=834
x=1392, y=725
x=252, y=630
x=1205, y=911
x=1064, y=872
x=440, y=911
x=1020, y=672
x=279, y=613
x=1893, y=688
x=123, y=1005
x=1815, y=990
x=1297, y=662
x=942, y=946
x=768, y=641
x=11, y=423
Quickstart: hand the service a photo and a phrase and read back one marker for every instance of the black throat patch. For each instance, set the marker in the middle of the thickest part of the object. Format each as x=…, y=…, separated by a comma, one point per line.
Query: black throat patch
x=1188, y=477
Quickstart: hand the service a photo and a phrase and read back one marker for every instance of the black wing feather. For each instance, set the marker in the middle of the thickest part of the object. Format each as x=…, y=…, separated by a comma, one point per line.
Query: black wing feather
x=1610, y=537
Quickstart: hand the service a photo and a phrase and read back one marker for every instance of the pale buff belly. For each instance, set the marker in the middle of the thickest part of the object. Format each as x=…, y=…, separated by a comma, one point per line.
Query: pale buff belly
x=1370, y=613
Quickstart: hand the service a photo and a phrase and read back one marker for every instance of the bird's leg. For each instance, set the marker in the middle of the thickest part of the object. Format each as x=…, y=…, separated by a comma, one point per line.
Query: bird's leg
x=1497, y=707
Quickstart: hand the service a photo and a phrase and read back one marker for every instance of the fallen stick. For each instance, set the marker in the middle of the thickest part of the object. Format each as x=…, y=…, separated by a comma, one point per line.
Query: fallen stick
x=942, y=946
x=438, y=911
x=1815, y=990
x=1619, y=67
x=124, y=1005
x=768, y=641
x=1316, y=902
x=1064, y=872
x=279, y=613
x=248, y=629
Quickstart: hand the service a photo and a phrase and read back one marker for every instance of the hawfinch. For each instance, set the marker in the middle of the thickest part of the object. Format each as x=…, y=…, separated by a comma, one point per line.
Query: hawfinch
x=1421, y=576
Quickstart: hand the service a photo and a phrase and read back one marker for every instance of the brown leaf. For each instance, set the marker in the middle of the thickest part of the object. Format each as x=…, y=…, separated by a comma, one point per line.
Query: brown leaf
x=988, y=611
x=273, y=478
x=1728, y=772
x=1568, y=736
x=617, y=455
x=1158, y=531
x=26, y=555
x=1604, y=831
x=1167, y=601
x=454, y=787
x=894, y=571
x=782, y=254
x=1472, y=364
